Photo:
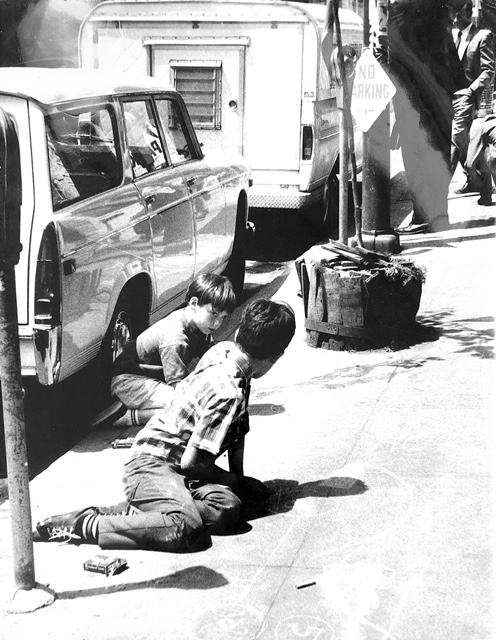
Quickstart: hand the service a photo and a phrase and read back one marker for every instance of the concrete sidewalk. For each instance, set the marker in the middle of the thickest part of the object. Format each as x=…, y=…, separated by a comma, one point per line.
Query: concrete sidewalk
x=380, y=465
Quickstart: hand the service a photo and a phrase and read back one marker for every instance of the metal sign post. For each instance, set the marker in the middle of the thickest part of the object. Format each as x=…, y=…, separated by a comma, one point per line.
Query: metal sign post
x=10, y=370
x=377, y=233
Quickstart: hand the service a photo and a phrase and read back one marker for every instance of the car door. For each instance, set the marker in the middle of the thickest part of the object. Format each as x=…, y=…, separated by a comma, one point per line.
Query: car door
x=204, y=180
x=167, y=200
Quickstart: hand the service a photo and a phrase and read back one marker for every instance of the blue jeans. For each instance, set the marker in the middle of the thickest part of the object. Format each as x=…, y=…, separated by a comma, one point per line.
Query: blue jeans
x=169, y=513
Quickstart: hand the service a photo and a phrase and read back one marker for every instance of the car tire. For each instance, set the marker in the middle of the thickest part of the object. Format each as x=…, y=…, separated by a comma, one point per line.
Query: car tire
x=235, y=270
x=126, y=324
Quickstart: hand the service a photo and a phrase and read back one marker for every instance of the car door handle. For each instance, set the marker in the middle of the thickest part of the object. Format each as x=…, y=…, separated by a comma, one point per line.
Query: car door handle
x=149, y=197
x=190, y=181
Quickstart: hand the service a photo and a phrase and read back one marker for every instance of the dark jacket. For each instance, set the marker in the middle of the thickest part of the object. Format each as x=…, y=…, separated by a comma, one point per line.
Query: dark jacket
x=424, y=61
x=477, y=57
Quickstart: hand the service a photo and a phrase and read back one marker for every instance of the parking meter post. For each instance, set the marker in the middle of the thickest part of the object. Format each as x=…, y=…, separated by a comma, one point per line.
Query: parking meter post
x=10, y=372
x=10, y=364
x=15, y=434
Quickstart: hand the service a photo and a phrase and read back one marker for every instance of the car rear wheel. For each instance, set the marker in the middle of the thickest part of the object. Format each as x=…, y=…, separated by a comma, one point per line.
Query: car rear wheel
x=235, y=270
x=122, y=333
x=127, y=322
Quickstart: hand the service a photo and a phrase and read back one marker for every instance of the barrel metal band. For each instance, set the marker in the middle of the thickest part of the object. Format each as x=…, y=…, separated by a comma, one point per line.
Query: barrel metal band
x=340, y=330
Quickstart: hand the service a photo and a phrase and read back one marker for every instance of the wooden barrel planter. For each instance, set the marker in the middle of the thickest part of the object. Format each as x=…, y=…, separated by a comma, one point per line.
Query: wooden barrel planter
x=352, y=308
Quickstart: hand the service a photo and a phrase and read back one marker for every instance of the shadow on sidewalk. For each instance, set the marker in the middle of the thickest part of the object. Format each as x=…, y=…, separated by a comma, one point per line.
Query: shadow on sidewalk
x=455, y=234
x=472, y=340
x=198, y=577
x=284, y=494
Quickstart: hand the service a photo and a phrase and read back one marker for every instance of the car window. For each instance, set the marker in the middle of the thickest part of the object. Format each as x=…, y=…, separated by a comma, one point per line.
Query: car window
x=175, y=132
x=145, y=147
x=83, y=154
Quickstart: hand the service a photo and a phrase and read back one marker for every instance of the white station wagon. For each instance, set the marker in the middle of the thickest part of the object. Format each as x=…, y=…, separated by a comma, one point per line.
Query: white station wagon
x=121, y=209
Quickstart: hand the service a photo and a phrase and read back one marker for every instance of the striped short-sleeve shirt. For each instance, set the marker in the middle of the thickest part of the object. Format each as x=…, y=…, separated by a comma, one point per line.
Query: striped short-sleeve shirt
x=209, y=408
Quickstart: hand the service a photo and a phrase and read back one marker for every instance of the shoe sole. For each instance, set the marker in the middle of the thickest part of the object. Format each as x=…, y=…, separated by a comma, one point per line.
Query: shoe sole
x=109, y=415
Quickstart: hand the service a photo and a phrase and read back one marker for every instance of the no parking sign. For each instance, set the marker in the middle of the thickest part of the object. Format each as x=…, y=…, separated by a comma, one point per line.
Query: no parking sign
x=372, y=91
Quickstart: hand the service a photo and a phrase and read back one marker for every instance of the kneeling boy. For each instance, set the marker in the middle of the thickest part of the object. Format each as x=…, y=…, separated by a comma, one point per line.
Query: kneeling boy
x=146, y=372
x=177, y=496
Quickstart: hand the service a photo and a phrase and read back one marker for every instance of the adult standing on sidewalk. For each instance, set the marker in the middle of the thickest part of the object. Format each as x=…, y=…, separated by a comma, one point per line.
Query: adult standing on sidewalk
x=476, y=50
x=427, y=72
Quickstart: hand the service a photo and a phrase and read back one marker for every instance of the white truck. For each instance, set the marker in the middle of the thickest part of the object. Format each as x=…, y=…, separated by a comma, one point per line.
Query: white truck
x=252, y=75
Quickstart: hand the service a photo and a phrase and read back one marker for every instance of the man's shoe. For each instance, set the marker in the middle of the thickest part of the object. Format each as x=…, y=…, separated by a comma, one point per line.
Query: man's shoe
x=412, y=228
x=485, y=201
x=63, y=528
x=441, y=223
x=464, y=189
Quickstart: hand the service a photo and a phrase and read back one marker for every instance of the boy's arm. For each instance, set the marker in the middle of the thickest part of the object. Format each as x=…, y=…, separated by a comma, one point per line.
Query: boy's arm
x=235, y=455
x=200, y=465
x=175, y=359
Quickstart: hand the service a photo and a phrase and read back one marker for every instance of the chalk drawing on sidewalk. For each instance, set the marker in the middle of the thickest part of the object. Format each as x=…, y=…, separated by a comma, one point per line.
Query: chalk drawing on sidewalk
x=354, y=577
x=228, y=620
x=307, y=627
x=398, y=524
x=415, y=434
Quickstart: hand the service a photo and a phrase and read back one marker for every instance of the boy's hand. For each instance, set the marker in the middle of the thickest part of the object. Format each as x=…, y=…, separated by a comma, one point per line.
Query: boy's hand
x=254, y=489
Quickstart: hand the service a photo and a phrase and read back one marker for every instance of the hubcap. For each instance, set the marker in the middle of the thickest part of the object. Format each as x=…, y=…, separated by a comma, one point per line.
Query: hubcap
x=122, y=334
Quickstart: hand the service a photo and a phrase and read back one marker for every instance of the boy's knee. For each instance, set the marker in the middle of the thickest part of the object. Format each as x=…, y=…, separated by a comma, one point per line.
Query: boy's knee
x=181, y=535
x=224, y=512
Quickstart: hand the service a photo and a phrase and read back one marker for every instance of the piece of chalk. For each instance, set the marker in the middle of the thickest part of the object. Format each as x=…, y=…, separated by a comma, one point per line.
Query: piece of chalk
x=305, y=584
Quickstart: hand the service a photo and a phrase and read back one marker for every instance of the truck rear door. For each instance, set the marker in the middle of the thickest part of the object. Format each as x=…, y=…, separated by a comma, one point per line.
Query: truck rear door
x=209, y=74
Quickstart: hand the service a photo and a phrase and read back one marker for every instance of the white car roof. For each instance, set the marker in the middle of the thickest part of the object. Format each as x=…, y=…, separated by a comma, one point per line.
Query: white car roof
x=50, y=86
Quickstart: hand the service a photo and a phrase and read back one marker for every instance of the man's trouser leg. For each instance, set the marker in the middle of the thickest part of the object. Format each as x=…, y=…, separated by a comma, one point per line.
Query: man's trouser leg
x=464, y=111
x=477, y=168
x=426, y=167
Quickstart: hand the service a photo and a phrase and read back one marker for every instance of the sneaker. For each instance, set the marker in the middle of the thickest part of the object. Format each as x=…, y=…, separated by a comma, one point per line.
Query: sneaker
x=63, y=528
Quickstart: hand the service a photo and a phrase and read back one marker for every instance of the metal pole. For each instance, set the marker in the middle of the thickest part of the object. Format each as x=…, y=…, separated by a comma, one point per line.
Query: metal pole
x=15, y=433
x=344, y=149
x=10, y=359
x=377, y=232
x=343, y=177
x=28, y=595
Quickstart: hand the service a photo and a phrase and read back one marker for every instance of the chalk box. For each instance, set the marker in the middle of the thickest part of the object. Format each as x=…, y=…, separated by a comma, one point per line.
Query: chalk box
x=104, y=564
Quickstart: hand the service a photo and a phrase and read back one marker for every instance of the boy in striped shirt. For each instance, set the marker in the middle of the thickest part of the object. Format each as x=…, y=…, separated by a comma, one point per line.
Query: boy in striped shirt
x=177, y=496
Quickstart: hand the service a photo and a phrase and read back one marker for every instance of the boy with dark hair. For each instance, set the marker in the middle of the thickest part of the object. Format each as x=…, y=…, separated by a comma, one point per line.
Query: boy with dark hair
x=146, y=372
x=177, y=496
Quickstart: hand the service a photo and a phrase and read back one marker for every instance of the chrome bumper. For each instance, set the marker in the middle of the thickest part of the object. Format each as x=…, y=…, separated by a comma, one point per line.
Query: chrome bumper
x=47, y=342
x=270, y=197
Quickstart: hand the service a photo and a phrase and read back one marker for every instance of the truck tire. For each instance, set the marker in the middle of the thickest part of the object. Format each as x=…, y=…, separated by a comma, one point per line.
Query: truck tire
x=330, y=205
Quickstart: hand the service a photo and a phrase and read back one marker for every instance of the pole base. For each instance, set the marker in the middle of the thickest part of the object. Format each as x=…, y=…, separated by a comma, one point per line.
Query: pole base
x=29, y=600
x=380, y=241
